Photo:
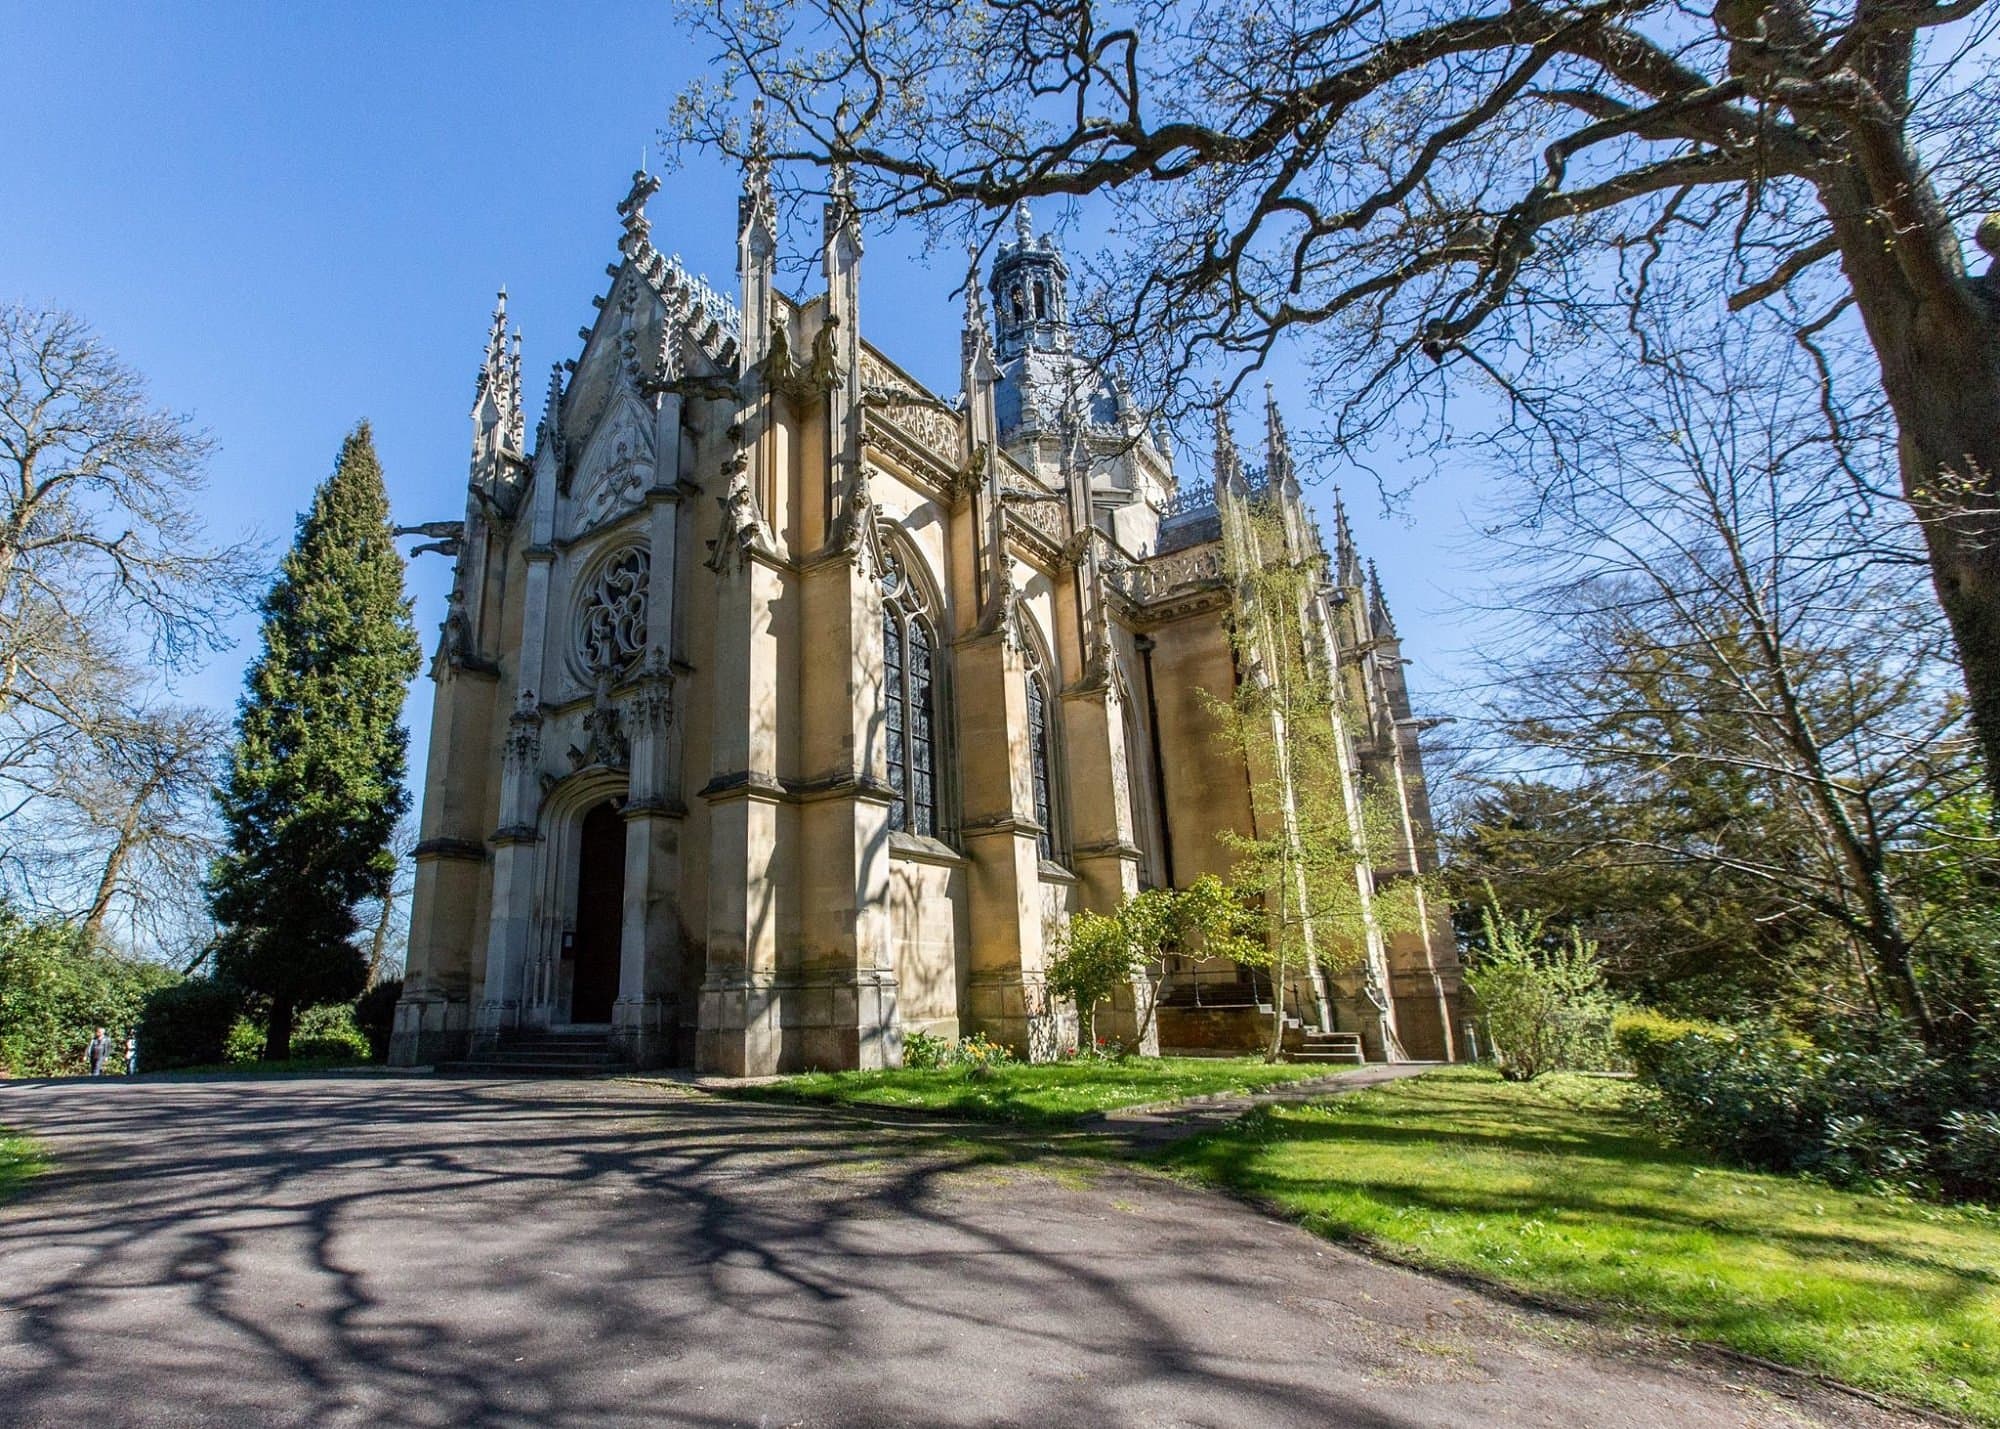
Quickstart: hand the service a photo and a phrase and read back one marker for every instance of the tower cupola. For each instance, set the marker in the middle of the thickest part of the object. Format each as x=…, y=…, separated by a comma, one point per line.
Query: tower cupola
x=1030, y=288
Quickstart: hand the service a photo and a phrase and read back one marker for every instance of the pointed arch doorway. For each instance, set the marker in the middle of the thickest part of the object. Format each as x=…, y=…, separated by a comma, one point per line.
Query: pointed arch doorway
x=600, y=914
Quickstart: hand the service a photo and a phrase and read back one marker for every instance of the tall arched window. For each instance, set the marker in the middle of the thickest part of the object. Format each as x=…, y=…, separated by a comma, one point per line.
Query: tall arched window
x=1041, y=751
x=910, y=687
x=1038, y=755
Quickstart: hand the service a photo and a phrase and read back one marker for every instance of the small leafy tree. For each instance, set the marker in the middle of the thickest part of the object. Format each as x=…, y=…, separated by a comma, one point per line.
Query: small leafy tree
x=1309, y=866
x=315, y=785
x=1205, y=918
x=1093, y=956
x=1544, y=999
x=1099, y=953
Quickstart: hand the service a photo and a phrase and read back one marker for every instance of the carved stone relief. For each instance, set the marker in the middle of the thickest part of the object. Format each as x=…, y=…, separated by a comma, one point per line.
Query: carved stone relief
x=616, y=469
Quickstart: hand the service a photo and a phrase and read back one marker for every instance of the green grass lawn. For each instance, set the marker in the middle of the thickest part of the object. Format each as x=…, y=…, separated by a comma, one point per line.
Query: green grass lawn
x=19, y=1160
x=1557, y=1188
x=1042, y=1094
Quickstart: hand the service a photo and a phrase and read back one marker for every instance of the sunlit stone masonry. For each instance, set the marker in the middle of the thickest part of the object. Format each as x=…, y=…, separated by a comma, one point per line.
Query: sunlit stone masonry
x=785, y=707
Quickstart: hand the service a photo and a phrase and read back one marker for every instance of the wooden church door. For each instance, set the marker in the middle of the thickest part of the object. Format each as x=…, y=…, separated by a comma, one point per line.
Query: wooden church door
x=600, y=914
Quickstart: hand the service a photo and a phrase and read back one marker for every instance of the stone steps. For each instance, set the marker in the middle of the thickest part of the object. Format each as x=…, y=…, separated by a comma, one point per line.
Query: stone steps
x=1327, y=1047
x=542, y=1054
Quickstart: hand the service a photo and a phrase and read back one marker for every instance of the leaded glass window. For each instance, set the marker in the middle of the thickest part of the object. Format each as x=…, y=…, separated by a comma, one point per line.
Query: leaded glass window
x=1042, y=750
x=1038, y=755
x=910, y=688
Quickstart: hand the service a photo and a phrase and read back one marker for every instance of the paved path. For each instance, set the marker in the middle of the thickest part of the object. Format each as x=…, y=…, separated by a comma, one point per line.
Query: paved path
x=414, y=1251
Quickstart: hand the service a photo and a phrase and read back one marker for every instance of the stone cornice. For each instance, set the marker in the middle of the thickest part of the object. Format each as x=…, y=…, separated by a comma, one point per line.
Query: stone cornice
x=743, y=784
x=920, y=848
x=841, y=786
x=467, y=850
x=1006, y=824
x=668, y=808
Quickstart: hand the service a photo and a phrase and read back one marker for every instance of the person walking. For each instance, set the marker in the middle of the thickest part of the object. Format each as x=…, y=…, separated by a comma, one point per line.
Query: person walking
x=131, y=1054
x=100, y=1048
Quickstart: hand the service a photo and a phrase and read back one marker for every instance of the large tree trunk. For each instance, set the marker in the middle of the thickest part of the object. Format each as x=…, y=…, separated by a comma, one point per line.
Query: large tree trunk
x=1936, y=334
x=278, y=1036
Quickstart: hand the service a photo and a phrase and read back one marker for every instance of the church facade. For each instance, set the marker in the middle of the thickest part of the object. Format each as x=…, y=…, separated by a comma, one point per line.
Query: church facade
x=784, y=706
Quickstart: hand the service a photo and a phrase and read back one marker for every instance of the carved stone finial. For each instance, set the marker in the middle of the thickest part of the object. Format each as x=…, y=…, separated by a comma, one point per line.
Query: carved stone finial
x=841, y=215
x=523, y=745
x=632, y=209
x=1024, y=224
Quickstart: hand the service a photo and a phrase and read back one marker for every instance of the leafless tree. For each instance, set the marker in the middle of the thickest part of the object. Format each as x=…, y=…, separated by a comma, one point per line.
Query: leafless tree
x=1449, y=196
x=104, y=558
x=1713, y=625
x=388, y=921
x=121, y=829
x=109, y=584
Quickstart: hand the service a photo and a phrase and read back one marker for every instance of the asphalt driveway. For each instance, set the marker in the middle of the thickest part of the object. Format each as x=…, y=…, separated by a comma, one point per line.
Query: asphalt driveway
x=392, y=1251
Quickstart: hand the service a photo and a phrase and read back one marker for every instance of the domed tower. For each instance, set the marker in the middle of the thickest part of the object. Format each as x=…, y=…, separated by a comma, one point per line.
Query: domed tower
x=1030, y=288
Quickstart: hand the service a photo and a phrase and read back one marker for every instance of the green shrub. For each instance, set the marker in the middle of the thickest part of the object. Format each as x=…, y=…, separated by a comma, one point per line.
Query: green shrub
x=925, y=1051
x=246, y=1041
x=375, y=1015
x=55, y=991
x=1092, y=958
x=1544, y=1002
x=1643, y=1037
x=188, y=1024
x=1878, y=1110
x=329, y=1034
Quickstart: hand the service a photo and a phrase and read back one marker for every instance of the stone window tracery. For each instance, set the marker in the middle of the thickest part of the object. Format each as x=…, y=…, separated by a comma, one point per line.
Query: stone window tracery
x=611, y=622
x=912, y=694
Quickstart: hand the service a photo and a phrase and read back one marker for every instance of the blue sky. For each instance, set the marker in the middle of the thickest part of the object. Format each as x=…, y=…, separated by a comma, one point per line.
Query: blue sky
x=291, y=217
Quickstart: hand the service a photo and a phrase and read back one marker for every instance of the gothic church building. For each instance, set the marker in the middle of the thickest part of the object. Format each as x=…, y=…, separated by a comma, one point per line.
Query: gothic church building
x=785, y=706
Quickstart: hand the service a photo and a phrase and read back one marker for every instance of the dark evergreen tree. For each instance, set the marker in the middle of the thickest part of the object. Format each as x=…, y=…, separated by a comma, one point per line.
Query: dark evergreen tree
x=315, y=783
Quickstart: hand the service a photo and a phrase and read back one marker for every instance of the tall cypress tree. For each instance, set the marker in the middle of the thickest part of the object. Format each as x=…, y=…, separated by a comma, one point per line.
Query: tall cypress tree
x=315, y=782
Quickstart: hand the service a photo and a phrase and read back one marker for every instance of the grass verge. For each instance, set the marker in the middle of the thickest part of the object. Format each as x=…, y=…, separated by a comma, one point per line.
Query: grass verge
x=19, y=1160
x=1037, y=1094
x=1558, y=1189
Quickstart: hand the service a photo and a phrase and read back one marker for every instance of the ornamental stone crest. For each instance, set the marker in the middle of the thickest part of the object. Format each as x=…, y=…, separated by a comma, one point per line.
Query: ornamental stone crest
x=611, y=620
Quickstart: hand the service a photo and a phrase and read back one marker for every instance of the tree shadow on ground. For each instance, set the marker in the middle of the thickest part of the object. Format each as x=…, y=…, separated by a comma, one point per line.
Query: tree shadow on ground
x=451, y=1252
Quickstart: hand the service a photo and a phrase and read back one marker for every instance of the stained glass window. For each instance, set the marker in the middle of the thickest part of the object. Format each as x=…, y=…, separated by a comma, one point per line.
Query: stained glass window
x=910, y=688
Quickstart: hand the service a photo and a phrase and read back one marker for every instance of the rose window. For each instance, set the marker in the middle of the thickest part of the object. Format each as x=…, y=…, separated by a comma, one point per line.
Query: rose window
x=612, y=635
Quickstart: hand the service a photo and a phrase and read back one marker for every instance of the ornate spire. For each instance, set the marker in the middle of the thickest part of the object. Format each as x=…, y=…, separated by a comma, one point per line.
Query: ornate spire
x=1346, y=560
x=841, y=216
x=550, y=427
x=756, y=208
x=1378, y=605
x=1030, y=287
x=497, y=419
x=1278, y=467
x=1228, y=466
x=517, y=423
x=973, y=335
